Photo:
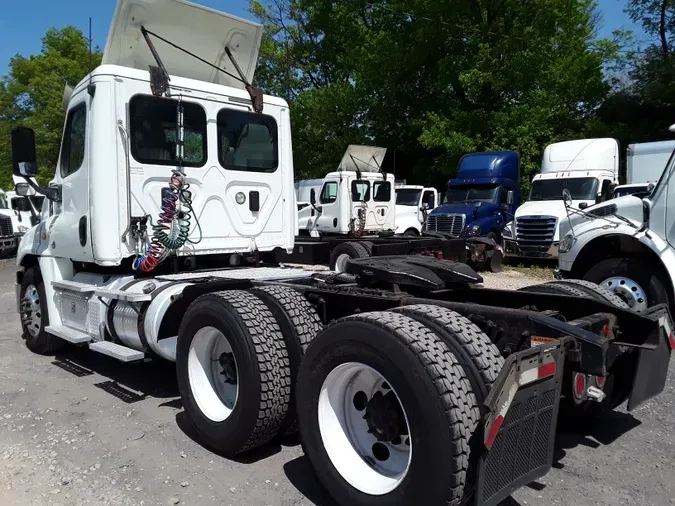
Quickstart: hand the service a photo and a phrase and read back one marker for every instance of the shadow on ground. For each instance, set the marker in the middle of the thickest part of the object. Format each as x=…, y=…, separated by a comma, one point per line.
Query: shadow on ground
x=128, y=382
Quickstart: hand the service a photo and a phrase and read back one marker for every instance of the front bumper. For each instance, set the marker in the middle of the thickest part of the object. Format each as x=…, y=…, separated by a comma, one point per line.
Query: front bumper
x=513, y=249
x=8, y=244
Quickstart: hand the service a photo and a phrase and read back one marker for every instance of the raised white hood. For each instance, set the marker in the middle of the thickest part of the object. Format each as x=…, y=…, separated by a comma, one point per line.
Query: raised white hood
x=202, y=31
x=363, y=158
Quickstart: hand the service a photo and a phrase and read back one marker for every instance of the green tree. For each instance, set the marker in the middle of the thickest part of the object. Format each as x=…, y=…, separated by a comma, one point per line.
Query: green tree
x=432, y=80
x=641, y=106
x=31, y=95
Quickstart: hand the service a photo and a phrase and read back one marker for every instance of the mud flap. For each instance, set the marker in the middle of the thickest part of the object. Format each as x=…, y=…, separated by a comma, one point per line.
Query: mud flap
x=651, y=371
x=496, y=259
x=520, y=422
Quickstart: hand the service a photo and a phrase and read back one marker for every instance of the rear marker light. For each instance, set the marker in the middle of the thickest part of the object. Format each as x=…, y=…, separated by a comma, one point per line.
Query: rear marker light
x=671, y=341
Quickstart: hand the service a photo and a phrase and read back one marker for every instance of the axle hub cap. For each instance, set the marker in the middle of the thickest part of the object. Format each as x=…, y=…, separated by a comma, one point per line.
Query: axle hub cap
x=384, y=417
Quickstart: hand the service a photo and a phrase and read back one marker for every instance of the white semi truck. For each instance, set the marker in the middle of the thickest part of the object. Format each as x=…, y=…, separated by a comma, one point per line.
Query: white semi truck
x=626, y=245
x=587, y=168
x=420, y=389
x=413, y=203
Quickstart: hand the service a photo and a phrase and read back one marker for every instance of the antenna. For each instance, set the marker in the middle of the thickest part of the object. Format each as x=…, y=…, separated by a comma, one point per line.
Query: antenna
x=91, y=88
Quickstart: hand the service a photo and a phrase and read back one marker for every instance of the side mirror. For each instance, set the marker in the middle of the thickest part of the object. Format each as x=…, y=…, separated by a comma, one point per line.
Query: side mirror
x=312, y=196
x=24, y=190
x=425, y=206
x=646, y=213
x=567, y=197
x=24, y=161
x=509, y=197
x=583, y=205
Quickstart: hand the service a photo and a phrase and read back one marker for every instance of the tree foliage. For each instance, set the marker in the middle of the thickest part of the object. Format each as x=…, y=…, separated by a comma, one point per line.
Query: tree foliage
x=31, y=95
x=432, y=80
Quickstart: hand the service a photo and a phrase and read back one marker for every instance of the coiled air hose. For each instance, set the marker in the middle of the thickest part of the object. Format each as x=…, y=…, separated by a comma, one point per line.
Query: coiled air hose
x=172, y=229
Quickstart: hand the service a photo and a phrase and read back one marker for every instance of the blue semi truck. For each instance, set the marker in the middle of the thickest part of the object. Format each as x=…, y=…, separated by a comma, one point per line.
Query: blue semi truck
x=481, y=199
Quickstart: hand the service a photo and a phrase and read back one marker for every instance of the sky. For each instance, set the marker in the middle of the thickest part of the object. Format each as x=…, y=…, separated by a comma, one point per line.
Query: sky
x=24, y=22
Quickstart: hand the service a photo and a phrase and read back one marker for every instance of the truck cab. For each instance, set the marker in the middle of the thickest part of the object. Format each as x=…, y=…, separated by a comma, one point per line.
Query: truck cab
x=413, y=203
x=626, y=245
x=587, y=168
x=357, y=199
x=479, y=201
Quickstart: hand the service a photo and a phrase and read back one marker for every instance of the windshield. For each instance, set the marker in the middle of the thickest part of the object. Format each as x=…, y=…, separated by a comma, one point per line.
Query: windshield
x=471, y=194
x=581, y=188
x=407, y=197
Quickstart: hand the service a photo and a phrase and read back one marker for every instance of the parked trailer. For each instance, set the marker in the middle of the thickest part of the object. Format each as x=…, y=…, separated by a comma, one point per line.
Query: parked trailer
x=412, y=386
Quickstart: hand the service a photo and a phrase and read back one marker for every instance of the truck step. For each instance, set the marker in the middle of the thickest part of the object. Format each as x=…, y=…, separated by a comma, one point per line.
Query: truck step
x=122, y=295
x=121, y=353
x=68, y=334
x=74, y=286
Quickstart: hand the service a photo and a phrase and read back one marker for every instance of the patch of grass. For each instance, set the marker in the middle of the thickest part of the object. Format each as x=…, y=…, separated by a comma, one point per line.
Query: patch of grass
x=532, y=270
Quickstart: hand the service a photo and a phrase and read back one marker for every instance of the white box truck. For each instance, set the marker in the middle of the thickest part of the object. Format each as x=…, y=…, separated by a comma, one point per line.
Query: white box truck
x=645, y=163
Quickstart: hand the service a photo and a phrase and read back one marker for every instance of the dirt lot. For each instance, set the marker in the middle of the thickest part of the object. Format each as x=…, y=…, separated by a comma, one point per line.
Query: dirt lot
x=84, y=429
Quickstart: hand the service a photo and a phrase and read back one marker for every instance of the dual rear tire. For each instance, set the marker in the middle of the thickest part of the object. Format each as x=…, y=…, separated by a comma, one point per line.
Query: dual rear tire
x=391, y=405
x=237, y=356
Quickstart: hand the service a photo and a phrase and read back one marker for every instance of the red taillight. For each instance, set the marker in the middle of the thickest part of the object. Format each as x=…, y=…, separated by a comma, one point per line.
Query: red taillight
x=579, y=385
x=600, y=381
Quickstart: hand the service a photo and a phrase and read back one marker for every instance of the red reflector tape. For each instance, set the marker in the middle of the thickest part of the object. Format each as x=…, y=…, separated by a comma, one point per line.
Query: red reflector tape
x=493, y=431
x=547, y=370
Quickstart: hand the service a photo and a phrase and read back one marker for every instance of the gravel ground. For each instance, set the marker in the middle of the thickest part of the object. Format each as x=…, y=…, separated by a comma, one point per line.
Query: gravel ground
x=84, y=429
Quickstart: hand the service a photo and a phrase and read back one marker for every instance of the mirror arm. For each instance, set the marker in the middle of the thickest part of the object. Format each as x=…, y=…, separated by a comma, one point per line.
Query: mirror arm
x=51, y=193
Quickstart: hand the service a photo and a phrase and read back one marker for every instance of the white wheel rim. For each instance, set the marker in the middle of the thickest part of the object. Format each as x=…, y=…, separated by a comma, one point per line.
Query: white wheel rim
x=215, y=396
x=341, y=262
x=31, y=315
x=355, y=452
x=630, y=291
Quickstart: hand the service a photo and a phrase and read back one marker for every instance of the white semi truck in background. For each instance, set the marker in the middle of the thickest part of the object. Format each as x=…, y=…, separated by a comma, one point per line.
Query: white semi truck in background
x=421, y=388
x=587, y=168
x=413, y=203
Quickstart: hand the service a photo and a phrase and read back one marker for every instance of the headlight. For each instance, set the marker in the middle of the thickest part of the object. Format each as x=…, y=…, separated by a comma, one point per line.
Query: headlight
x=567, y=243
x=508, y=231
x=474, y=230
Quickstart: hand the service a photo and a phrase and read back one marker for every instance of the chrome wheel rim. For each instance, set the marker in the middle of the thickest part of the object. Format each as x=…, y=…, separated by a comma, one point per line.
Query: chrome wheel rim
x=629, y=291
x=31, y=313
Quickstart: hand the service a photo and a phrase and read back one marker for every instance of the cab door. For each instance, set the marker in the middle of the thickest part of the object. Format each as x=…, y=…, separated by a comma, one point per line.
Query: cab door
x=384, y=203
x=327, y=219
x=68, y=229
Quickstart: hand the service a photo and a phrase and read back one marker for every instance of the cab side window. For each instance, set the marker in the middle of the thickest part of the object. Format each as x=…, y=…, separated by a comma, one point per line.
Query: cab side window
x=428, y=199
x=329, y=193
x=74, y=139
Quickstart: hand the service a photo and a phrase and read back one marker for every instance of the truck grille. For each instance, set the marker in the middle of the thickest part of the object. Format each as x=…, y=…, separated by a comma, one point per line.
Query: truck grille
x=536, y=230
x=6, y=226
x=452, y=224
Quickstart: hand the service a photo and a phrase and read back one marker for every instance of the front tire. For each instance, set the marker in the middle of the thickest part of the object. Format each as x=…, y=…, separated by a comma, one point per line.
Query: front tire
x=632, y=280
x=386, y=413
x=233, y=371
x=35, y=315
